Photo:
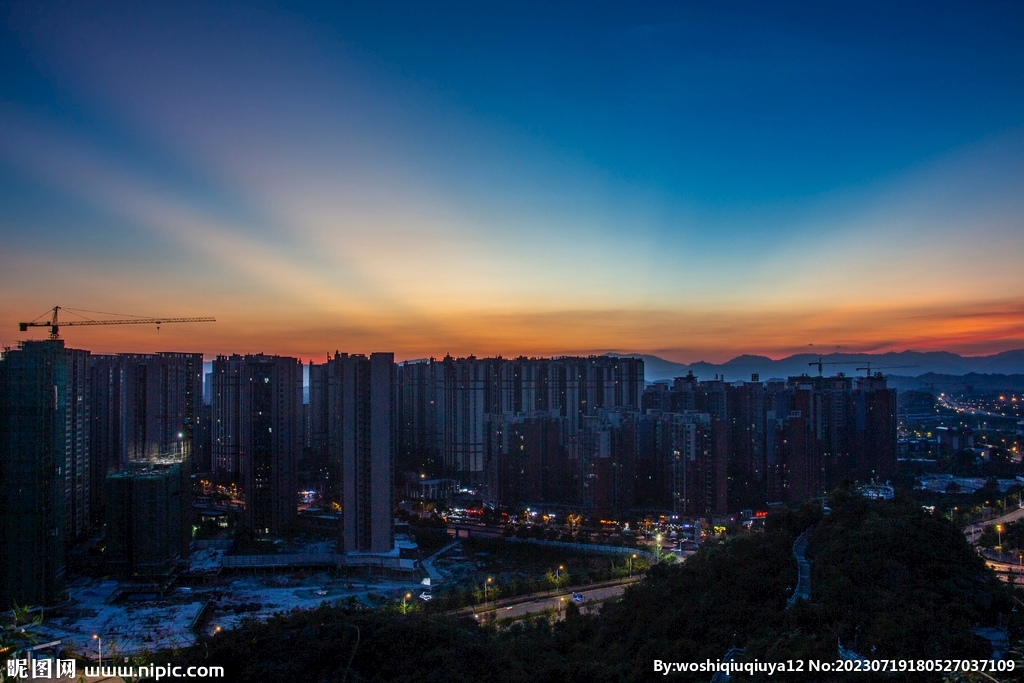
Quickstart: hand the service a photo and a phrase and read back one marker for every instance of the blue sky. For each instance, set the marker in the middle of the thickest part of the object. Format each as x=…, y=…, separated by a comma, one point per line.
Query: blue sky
x=690, y=180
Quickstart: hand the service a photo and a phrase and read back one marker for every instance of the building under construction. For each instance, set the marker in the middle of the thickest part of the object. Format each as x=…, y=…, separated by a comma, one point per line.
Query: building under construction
x=148, y=526
x=35, y=459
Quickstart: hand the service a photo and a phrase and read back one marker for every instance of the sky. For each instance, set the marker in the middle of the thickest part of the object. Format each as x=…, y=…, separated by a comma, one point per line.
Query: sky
x=692, y=180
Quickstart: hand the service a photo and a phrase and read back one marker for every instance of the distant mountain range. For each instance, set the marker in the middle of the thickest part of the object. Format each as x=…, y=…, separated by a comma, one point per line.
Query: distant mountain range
x=905, y=364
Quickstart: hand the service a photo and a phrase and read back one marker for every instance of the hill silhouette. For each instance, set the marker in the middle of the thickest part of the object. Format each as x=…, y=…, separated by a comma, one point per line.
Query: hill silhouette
x=903, y=363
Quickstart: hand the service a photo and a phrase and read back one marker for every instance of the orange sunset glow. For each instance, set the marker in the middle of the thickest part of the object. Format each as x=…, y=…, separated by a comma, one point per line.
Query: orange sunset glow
x=321, y=200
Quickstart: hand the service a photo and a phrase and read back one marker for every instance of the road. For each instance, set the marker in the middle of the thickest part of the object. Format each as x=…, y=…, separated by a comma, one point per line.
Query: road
x=1007, y=571
x=428, y=563
x=803, y=580
x=974, y=530
x=558, y=602
x=953, y=405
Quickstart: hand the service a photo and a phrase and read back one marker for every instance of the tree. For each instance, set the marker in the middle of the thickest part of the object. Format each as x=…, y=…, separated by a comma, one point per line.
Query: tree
x=19, y=631
x=989, y=537
x=557, y=578
x=899, y=582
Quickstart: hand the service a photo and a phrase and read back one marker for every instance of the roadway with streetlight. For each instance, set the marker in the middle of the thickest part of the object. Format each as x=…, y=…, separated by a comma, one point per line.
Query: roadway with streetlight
x=952, y=404
x=1006, y=571
x=973, y=529
x=533, y=604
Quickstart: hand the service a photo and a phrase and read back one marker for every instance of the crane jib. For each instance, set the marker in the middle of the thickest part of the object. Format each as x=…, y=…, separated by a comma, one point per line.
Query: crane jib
x=55, y=325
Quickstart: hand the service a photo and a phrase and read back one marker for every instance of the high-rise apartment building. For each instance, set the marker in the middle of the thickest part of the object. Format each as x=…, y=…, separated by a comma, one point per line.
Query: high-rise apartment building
x=530, y=463
x=78, y=449
x=163, y=395
x=443, y=405
x=202, y=456
x=419, y=407
x=874, y=438
x=352, y=404
x=255, y=434
x=148, y=529
x=34, y=443
x=207, y=388
x=746, y=433
x=107, y=426
x=145, y=405
x=784, y=441
x=316, y=425
x=469, y=389
x=226, y=417
x=142, y=406
x=608, y=461
x=687, y=472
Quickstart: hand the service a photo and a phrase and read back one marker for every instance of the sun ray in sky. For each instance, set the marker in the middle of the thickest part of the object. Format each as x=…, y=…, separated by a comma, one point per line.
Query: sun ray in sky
x=683, y=181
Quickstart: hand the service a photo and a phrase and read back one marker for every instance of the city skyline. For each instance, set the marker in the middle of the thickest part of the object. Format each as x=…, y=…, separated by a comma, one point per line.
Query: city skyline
x=690, y=182
x=406, y=340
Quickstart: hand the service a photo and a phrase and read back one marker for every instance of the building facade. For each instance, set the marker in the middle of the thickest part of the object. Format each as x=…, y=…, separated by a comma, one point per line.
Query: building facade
x=447, y=409
x=356, y=406
x=147, y=514
x=34, y=440
x=143, y=406
x=271, y=393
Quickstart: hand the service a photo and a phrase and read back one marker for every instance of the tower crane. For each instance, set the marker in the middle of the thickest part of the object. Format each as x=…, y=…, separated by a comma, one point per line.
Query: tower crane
x=820, y=363
x=55, y=325
x=867, y=368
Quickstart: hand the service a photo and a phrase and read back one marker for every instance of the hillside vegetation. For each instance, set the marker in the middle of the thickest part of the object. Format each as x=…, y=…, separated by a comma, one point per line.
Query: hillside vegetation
x=888, y=579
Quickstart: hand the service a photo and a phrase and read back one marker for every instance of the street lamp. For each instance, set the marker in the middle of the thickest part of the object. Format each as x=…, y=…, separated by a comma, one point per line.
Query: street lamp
x=99, y=647
x=999, y=530
x=404, y=606
x=486, y=584
x=631, y=565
